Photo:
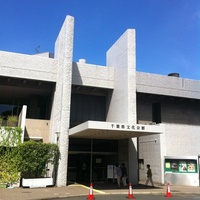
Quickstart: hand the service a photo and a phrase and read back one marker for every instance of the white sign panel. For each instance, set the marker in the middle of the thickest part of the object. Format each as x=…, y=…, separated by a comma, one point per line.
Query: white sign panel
x=110, y=171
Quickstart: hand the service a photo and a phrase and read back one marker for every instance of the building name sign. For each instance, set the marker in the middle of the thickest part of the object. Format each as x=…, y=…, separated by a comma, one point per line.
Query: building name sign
x=128, y=127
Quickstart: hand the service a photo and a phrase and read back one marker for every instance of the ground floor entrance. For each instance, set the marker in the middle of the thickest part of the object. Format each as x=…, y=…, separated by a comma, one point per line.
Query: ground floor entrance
x=88, y=159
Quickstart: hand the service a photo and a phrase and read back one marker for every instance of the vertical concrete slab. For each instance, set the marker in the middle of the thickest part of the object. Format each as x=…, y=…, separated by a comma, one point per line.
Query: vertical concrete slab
x=60, y=116
x=122, y=56
x=22, y=121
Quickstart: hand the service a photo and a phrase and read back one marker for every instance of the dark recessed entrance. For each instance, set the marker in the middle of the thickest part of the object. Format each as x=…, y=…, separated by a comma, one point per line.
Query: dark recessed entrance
x=88, y=159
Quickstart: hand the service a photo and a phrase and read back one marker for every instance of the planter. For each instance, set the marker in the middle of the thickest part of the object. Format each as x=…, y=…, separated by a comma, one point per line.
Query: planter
x=10, y=186
x=37, y=182
x=3, y=185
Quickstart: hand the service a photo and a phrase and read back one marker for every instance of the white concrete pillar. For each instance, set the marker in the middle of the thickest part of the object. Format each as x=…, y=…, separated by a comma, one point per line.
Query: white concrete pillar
x=60, y=117
x=122, y=56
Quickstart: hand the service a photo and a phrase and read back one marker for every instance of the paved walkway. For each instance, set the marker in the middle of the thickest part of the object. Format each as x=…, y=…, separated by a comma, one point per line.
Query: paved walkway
x=83, y=190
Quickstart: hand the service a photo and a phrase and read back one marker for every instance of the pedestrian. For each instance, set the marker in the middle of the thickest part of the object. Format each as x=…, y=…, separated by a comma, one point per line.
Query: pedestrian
x=118, y=174
x=124, y=175
x=149, y=176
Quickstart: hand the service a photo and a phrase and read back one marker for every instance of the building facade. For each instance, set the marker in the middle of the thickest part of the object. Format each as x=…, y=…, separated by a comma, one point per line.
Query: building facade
x=100, y=115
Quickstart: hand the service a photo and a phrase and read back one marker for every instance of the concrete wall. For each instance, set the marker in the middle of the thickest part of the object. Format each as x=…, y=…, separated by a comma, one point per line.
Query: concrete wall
x=122, y=57
x=167, y=85
x=152, y=150
x=93, y=75
x=181, y=112
x=22, y=121
x=37, y=128
x=60, y=116
x=182, y=125
x=181, y=137
x=28, y=66
x=182, y=140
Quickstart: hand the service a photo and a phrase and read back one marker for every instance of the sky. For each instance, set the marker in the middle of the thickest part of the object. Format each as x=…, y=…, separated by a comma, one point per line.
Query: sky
x=167, y=31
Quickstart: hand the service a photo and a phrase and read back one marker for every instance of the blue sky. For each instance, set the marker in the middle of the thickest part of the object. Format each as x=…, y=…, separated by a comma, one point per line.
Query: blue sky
x=167, y=31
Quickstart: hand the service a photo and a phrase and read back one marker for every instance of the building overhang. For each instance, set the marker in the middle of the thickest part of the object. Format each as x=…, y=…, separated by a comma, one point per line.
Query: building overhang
x=113, y=130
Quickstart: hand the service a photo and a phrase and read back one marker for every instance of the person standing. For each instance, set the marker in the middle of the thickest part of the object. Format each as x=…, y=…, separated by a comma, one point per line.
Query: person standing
x=149, y=176
x=118, y=174
x=124, y=175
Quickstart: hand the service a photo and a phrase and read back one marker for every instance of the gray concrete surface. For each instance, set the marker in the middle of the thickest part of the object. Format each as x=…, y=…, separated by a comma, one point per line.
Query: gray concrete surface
x=76, y=189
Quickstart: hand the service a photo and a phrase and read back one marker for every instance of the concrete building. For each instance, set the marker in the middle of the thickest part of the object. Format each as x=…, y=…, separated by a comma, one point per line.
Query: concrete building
x=100, y=115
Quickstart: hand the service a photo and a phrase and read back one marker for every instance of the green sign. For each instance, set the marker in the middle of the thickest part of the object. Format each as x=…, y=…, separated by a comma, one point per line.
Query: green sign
x=181, y=166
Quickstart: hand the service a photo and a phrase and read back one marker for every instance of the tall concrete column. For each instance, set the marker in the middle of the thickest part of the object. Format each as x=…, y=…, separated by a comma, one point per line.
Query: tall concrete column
x=122, y=56
x=60, y=116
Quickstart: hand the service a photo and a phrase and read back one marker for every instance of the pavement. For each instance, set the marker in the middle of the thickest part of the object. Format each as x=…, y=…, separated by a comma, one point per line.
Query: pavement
x=76, y=189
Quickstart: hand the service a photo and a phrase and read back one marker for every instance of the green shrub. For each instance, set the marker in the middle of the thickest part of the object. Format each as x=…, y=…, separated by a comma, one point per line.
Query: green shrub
x=28, y=158
x=9, y=166
x=9, y=172
x=10, y=136
x=12, y=120
x=34, y=156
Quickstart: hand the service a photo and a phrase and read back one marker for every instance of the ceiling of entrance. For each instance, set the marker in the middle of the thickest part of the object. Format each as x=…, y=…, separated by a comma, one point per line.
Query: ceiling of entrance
x=107, y=130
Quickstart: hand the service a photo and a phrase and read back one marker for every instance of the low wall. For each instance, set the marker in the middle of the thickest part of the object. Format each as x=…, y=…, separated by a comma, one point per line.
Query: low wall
x=36, y=128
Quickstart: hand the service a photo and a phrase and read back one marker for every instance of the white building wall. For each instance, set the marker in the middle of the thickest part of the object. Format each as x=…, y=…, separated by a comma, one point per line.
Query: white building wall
x=28, y=66
x=93, y=75
x=182, y=140
x=167, y=85
x=175, y=142
x=122, y=56
x=22, y=121
x=60, y=116
x=152, y=150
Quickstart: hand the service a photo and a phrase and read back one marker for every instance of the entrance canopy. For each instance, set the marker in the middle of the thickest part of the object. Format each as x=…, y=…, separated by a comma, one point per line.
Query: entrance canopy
x=113, y=130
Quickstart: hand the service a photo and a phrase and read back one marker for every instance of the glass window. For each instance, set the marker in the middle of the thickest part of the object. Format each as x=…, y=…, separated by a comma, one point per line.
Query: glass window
x=156, y=112
x=141, y=163
x=105, y=145
x=7, y=110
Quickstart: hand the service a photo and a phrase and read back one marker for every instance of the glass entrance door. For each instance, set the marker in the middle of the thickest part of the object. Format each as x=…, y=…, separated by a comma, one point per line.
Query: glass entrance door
x=100, y=163
x=79, y=167
x=88, y=159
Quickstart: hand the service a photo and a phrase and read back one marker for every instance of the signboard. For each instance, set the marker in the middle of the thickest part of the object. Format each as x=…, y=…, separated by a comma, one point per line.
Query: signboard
x=181, y=165
x=110, y=171
x=191, y=166
x=128, y=127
